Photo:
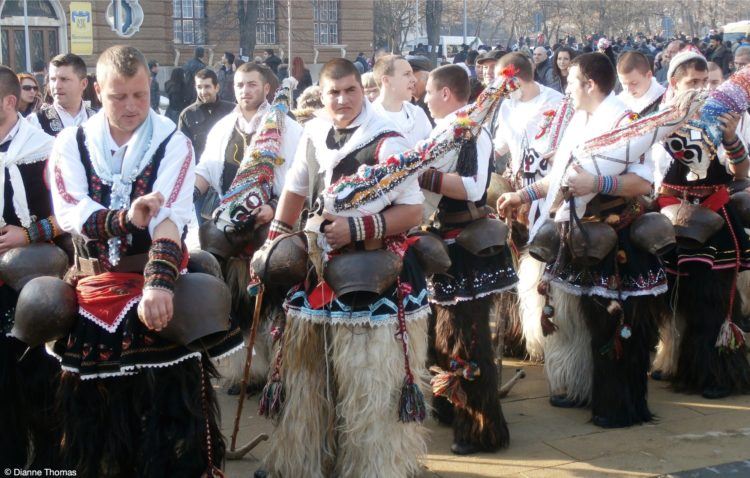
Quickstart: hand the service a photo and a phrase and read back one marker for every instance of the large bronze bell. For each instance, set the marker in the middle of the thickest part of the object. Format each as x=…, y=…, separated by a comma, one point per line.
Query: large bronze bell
x=546, y=242
x=693, y=224
x=202, y=306
x=653, y=233
x=283, y=261
x=46, y=310
x=205, y=262
x=213, y=240
x=18, y=266
x=484, y=237
x=592, y=247
x=498, y=186
x=362, y=275
x=740, y=203
x=431, y=253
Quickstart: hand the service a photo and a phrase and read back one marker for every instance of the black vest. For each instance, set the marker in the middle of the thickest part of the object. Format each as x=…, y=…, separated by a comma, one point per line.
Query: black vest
x=101, y=192
x=50, y=120
x=233, y=155
x=367, y=154
x=37, y=194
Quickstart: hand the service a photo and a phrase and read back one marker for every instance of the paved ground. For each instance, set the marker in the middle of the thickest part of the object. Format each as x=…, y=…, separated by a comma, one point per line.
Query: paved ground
x=691, y=434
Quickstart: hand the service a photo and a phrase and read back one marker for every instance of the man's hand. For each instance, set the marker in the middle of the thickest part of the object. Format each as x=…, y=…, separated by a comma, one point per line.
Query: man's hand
x=156, y=308
x=263, y=214
x=145, y=208
x=337, y=232
x=508, y=203
x=12, y=237
x=728, y=125
x=581, y=183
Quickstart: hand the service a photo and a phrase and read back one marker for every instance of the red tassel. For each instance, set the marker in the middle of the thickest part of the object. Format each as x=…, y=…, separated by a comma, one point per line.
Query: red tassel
x=448, y=385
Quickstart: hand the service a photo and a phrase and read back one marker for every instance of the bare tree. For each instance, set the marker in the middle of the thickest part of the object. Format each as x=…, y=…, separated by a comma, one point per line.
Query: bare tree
x=433, y=16
x=247, y=15
x=393, y=21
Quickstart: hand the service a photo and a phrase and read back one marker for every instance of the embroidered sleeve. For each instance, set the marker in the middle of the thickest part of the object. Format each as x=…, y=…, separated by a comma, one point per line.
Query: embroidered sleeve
x=175, y=180
x=70, y=192
x=107, y=223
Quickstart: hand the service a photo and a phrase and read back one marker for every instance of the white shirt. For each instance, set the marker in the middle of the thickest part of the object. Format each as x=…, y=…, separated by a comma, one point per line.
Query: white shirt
x=411, y=121
x=66, y=118
x=518, y=125
x=174, y=179
x=368, y=124
x=475, y=186
x=655, y=91
x=211, y=165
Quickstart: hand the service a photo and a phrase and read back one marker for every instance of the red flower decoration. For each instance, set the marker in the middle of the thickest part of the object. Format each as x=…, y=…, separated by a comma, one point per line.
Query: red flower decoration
x=509, y=71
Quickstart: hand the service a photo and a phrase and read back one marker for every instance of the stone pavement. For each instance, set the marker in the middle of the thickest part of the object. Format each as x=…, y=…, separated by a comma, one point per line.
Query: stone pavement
x=691, y=434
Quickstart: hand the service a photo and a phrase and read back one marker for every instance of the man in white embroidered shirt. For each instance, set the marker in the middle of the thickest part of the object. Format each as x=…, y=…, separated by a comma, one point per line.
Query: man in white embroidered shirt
x=365, y=330
x=67, y=82
x=123, y=188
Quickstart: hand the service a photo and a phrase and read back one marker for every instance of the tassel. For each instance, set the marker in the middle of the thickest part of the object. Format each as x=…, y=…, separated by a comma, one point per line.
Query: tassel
x=411, y=406
x=448, y=385
x=730, y=337
x=271, y=399
x=466, y=165
x=548, y=327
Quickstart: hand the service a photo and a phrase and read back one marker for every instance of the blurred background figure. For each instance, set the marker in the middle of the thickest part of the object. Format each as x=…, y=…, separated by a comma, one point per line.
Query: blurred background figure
x=371, y=87
x=300, y=73
x=31, y=96
x=177, y=93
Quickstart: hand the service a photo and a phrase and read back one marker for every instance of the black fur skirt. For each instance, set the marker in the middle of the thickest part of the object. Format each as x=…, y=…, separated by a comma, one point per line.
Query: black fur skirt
x=151, y=424
x=462, y=331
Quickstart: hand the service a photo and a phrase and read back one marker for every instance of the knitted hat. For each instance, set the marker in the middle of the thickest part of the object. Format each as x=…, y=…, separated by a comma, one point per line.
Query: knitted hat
x=680, y=58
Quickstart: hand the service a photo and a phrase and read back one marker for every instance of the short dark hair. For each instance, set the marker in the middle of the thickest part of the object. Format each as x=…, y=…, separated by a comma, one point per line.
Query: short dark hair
x=207, y=73
x=230, y=57
x=597, y=68
x=199, y=52
x=9, y=83
x=521, y=62
x=339, y=68
x=454, y=78
x=152, y=63
x=269, y=51
x=72, y=60
x=633, y=60
x=250, y=67
x=697, y=64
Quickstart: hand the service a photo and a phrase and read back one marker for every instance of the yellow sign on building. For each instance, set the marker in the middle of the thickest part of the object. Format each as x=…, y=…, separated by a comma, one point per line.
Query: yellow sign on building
x=81, y=28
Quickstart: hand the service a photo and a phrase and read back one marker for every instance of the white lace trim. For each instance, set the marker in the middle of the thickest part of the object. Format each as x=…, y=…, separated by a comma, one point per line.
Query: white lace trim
x=391, y=319
x=130, y=369
x=606, y=293
x=458, y=299
x=110, y=328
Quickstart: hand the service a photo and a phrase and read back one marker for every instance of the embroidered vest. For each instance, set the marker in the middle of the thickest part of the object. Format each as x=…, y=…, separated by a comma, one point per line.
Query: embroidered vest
x=50, y=121
x=100, y=192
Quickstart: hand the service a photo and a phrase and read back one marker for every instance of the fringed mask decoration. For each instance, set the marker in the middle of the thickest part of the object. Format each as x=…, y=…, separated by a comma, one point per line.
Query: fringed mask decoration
x=696, y=144
x=692, y=147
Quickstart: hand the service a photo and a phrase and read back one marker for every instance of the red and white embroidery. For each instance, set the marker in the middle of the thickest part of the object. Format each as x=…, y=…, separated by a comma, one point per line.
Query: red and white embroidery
x=181, y=177
x=60, y=183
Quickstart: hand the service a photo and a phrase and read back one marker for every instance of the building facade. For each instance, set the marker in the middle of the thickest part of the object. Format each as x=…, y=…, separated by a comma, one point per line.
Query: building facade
x=168, y=31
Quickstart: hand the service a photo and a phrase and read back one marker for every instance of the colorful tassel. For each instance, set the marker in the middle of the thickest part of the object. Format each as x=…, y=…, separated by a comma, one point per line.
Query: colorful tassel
x=448, y=385
x=271, y=399
x=411, y=406
x=730, y=337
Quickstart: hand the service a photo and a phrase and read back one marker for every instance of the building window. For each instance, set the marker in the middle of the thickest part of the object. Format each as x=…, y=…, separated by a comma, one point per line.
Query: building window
x=189, y=18
x=265, y=31
x=326, y=22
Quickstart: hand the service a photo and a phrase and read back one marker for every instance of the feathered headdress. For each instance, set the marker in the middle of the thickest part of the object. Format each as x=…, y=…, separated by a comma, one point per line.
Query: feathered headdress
x=372, y=182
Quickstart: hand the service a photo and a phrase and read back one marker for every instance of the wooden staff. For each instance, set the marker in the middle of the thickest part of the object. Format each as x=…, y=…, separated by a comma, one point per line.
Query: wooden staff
x=233, y=453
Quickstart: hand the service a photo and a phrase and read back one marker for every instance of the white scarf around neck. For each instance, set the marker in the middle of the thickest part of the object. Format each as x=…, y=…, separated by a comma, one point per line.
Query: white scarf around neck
x=29, y=145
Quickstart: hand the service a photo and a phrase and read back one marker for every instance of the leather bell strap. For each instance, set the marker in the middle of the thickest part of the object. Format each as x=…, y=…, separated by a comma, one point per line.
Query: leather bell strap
x=714, y=202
